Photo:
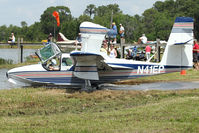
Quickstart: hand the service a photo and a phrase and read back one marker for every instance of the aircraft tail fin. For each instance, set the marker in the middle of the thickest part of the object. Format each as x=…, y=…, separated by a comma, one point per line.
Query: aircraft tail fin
x=61, y=37
x=178, y=51
x=92, y=37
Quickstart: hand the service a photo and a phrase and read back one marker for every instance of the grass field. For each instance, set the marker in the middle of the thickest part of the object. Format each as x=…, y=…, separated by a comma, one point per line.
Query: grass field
x=55, y=110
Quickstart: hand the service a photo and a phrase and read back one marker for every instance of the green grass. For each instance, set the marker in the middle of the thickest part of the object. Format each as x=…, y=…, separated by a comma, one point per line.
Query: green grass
x=55, y=110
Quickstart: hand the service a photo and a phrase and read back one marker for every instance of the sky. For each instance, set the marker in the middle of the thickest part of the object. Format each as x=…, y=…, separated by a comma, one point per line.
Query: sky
x=15, y=11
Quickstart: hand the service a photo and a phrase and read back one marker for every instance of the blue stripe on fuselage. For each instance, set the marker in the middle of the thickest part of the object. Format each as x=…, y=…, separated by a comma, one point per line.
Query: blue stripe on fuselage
x=135, y=66
x=57, y=80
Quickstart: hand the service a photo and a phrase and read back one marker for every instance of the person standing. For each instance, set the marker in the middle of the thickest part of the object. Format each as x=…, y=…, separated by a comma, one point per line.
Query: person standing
x=49, y=39
x=134, y=52
x=148, y=51
x=196, y=55
x=114, y=28
x=121, y=31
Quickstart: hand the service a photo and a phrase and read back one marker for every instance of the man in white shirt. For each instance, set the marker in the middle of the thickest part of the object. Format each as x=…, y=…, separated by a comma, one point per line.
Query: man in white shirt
x=121, y=31
x=12, y=38
x=143, y=39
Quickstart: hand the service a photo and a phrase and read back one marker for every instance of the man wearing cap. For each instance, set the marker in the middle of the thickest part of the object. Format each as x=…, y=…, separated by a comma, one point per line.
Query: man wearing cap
x=121, y=31
x=114, y=28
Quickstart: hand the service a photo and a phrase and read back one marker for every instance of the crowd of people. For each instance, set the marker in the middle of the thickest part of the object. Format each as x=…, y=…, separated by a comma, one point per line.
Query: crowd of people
x=110, y=51
x=132, y=52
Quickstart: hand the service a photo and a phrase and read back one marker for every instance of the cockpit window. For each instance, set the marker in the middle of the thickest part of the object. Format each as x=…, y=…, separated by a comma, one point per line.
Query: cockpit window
x=66, y=62
x=52, y=64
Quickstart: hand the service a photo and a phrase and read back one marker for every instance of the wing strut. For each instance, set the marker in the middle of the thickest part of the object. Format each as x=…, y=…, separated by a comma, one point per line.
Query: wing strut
x=87, y=86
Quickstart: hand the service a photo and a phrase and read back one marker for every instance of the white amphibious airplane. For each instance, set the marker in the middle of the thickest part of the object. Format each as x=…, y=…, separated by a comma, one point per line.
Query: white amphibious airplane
x=90, y=67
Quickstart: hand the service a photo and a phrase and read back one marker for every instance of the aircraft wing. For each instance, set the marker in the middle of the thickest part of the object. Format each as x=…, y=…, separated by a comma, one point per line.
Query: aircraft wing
x=87, y=65
x=68, y=42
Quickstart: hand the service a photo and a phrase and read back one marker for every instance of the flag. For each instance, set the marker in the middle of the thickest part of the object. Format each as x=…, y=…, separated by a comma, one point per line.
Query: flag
x=56, y=15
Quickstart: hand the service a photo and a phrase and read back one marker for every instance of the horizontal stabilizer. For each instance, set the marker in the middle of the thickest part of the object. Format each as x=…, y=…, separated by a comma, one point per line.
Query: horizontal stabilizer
x=183, y=43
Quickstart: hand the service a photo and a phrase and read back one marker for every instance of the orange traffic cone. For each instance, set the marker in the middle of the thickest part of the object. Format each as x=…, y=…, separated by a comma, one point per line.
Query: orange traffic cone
x=183, y=72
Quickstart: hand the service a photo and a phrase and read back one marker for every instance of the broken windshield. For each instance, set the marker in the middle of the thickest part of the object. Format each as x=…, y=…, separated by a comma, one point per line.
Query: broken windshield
x=48, y=52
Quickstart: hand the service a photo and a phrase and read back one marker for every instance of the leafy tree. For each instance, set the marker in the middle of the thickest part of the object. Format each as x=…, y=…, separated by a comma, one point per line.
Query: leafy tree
x=48, y=22
x=90, y=10
x=3, y=33
x=24, y=24
x=83, y=18
x=34, y=33
x=149, y=19
x=70, y=29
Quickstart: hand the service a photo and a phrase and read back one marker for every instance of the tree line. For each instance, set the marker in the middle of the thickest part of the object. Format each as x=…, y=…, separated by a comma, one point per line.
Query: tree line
x=155, y=22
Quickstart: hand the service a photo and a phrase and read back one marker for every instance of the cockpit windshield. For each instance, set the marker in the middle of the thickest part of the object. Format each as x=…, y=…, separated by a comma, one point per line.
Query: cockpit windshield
x=48, y=52
x=52, y=59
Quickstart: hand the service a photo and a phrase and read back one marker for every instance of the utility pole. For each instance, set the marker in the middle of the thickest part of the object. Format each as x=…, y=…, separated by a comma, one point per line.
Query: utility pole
x=110, y=28
x=111, y=19
x=54, y=31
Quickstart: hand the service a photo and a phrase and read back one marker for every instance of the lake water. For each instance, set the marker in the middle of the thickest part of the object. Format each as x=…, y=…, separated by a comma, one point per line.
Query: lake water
x=14, y=54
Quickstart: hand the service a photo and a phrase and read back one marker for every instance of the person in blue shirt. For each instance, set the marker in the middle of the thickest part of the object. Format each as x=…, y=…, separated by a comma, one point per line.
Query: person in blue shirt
x=114, y=28
x=134, y=52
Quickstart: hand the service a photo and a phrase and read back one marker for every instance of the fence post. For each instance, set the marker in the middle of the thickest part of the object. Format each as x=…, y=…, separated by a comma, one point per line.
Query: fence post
x=21, y=46
x=18, y=46
x=158, y=49
x=122, y=47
